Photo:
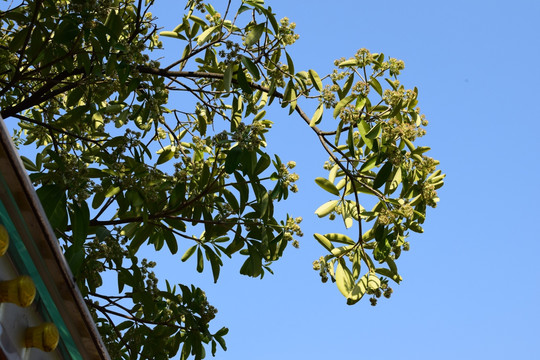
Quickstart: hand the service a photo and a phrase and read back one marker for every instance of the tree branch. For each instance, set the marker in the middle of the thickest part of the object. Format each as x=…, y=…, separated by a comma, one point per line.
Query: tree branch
x=56, y=129
x=42, y=94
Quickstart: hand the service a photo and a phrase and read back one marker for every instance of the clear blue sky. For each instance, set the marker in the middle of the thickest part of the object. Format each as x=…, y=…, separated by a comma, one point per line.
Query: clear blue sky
x=471, y=284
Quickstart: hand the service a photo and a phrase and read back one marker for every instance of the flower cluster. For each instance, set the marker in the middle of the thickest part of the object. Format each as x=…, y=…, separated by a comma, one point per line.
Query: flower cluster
x=276, y=74
x=328, y=98
x=384, y=290
x=151, y=279
x=350, y=115
x=427, y=165
x=215, y=19
x=395, y=66
x=429, y=194
x=321, y=266
x=292, y=228
x=250, y=136
x=361, y=87
x=230, y=54
x=286, y=32
x=288, y=179
x=395, y=155
x=399, y=96
x=364, y=57
x=398, y=128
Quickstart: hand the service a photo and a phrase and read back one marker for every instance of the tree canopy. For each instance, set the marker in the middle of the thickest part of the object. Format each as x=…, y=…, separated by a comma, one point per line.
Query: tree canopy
x=117, y=165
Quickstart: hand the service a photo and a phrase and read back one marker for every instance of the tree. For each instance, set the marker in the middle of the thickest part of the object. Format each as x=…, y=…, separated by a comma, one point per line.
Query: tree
x=117, y=166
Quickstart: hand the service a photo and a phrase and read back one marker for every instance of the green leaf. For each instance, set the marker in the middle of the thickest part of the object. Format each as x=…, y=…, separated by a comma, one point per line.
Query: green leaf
x=376, y=85
x=350, y=62
x=259, y=115
x=67, y=31
x=236, y=244
x=114, y=25
x=357, y=264
x=360, y=102
x=382, y=250
x=327, y=185
x=290, y=63
x=251, y=67
x=165, y=156
x=142, y=235
x=188, y=253
x=388, y=273
x=346, y=87
x=215, y=263
x=289, y=95
x=358, y=290
x=242, y=81
x=53, y=199
x=172, y=244
x=233, y=159
x=369, y=164
x=340, y=105
x=383, y=175
x=392, y=265
x=373, y=282
x=324, y=242
x=74, y=96
x=80, y=219
x=129, y=230
x=112, y=190
x=220, y=340
x=231, y=200
x=263, y=164
x=344, y=278
x=396, y=180
x=339, y=238
x=200, y=260
x=227, y=77
x=326, y=208
x=363, y=129
x=18, y=39
x=340, y=251
x=28, y=164
x=253, y=264
x=333, y=173
x=315, y=80
x=75, y=257
x=374, y=132
x=254, y=34
x=317, y=116
x=415, y=227
x=347, y=217
x=201, y=39
x=243, y=189
x=263, y=203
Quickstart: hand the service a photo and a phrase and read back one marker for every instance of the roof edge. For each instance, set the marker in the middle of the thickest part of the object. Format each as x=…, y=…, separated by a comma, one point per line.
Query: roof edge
x=66, y=290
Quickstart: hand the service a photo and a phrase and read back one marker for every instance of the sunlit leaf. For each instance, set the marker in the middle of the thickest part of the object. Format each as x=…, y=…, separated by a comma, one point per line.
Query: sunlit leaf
x=383, y=175
x=315, y=80
x=317, y=116
x=254, y=35
x=326, y=208
x=324, y=241
x=327, y=185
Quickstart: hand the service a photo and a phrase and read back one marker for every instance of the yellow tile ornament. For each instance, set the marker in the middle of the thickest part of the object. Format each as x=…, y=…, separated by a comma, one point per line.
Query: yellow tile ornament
x=44, y=337
x=4, y=240
x=20, y=291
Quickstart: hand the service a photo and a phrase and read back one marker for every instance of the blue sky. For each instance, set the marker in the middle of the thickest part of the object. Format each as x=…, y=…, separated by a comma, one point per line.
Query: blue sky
x=471, y=282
